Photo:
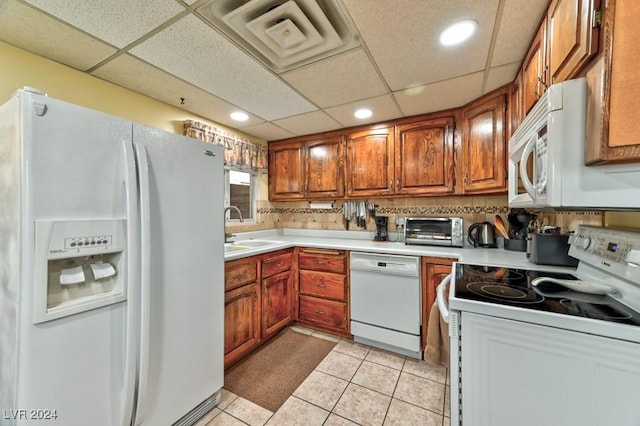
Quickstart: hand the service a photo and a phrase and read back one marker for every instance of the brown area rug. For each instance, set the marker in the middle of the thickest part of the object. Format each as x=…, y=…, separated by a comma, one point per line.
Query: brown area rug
x=270, y=375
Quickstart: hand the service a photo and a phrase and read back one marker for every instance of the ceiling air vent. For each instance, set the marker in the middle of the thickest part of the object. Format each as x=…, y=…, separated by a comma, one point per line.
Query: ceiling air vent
x=283, y=34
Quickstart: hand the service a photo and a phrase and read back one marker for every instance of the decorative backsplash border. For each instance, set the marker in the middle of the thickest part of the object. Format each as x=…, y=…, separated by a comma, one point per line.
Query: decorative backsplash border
x=420, y=210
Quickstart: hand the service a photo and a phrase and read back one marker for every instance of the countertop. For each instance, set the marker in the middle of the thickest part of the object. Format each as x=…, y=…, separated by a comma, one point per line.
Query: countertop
x=363, y=241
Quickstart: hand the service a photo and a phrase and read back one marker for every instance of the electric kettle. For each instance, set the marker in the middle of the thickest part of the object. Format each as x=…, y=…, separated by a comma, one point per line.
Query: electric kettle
x=482, y=235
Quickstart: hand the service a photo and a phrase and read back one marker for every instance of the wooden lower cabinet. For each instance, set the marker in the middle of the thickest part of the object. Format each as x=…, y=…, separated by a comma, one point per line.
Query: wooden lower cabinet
x=277, y=303
x=434, y=270
x=259, y=301
x=242, y=322
x=323, y=300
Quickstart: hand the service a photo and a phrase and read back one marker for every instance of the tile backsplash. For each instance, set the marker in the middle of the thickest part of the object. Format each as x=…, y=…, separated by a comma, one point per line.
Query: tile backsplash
x=472, y=209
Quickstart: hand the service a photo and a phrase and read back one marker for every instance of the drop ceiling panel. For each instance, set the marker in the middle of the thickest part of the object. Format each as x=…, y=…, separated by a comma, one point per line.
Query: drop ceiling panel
x=134, y=74
x=337, y=80
x=402, y=37
x=268, y=131
x=48, y=37
x=311, y=122
x=499, y=76
x=119, y=22
x=193, y=51
x=439, y=96
x=519, y=23
x=383, y=107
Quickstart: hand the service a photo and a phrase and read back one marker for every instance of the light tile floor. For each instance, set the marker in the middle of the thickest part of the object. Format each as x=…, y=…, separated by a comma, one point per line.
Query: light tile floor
x=354, y=385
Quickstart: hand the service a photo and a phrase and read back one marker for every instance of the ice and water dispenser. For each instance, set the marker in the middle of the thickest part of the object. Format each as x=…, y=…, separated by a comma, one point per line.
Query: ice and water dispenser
x=79, y=266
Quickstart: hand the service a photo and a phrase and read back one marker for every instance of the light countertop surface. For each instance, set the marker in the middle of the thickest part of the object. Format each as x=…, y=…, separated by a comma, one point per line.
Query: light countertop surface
x=363, y=242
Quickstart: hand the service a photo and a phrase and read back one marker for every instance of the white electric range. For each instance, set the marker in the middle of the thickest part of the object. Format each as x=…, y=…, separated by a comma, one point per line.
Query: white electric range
x=529, y=349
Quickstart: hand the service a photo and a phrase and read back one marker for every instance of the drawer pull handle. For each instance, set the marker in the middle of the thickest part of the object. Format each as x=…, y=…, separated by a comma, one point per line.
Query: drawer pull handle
x=239, y=277
x=321, y=285
x=320, y=262
x=320, y=312
x=279, y=264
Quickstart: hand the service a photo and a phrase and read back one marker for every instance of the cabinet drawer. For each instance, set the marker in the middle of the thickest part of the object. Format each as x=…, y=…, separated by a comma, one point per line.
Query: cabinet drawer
x=325, y=313
x=322, y=284
x=239, y=273
x=318, y=261
x=276, y=264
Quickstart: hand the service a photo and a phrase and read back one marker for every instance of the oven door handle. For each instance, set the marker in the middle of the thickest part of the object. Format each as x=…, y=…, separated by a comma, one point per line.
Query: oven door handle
x=441, y=298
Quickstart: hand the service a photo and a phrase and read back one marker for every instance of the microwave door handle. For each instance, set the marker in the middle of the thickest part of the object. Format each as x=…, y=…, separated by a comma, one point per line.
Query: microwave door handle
x=526, y=182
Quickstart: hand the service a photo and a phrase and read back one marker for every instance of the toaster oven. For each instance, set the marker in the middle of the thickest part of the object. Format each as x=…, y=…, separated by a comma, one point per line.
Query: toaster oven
x=434, y=231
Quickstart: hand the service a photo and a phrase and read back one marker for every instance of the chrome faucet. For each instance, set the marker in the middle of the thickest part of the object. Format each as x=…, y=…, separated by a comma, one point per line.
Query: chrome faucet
x=236, y=209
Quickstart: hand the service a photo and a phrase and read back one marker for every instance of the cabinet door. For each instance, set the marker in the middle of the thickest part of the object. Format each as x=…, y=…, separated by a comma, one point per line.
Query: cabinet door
x=325, y=168
x=286, y=171
x=434, y=270
x=424, y=157
x=515, y=114
x=612, y=124
x=572, y=40
x=533, y=71
x=370, y=163
x=277, y=303
x=241, y=322
x=484, y=147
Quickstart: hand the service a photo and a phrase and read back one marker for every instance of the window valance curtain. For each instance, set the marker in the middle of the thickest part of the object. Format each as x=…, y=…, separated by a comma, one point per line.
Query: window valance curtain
x=238, y=152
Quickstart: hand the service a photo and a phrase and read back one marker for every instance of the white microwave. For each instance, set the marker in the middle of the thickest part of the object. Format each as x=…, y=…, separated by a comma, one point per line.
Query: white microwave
x=546, y=158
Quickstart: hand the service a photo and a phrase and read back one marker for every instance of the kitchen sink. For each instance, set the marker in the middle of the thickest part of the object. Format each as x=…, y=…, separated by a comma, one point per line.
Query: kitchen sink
x=243, y=245
x=256, y=243
x=232, y=247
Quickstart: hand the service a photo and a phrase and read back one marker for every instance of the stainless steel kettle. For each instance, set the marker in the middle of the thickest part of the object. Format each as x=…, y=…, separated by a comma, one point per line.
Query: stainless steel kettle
x=482, y=235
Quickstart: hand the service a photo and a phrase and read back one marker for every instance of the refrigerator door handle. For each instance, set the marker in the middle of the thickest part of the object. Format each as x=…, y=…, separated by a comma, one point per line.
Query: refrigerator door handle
x=131, y=348
x=145, y=278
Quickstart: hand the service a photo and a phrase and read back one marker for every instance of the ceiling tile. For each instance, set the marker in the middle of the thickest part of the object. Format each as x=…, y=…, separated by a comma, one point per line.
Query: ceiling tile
x=119, y=22
x=337, y=80
x=402, y=36
x=439, y=96
x=383, y=107
x=311, y=122
x=514, y=37
x=134, y=74
x=191, y=50
x=499, y=76
x=268, y=132
x=48, y=37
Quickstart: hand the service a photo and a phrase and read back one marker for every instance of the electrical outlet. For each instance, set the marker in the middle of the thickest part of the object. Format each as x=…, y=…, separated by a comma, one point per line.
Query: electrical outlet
x=400, y=222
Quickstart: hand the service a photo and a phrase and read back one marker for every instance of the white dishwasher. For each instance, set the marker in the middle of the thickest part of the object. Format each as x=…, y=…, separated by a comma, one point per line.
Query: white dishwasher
x=385, y=302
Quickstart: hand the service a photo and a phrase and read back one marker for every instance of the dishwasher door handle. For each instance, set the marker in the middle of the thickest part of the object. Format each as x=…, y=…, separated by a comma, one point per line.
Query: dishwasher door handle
x=441, y=298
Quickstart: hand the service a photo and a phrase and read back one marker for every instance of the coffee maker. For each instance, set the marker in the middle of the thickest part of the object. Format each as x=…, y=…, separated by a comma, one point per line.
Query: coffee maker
x=381, y=228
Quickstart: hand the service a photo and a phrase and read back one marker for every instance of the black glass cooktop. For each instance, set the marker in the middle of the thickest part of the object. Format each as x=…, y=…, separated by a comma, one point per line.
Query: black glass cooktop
x=513, y=287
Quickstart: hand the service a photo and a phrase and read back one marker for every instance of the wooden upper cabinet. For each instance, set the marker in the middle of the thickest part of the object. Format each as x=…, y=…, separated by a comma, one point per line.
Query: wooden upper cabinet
x=325, y=168
x=370, y=163
x=572, y=39
x=612, y=124
x=515, y=113
x=306, y=169
x=286, y=171
x=424, y=157
x=483, y=154
x=534, y=70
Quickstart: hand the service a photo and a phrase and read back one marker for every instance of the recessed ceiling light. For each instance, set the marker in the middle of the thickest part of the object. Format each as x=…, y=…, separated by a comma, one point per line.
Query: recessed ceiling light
x=363, y=113
x=458, y=32
x=239, y=116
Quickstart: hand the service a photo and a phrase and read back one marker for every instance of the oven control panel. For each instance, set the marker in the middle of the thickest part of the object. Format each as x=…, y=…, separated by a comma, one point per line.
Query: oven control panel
x=606, y=247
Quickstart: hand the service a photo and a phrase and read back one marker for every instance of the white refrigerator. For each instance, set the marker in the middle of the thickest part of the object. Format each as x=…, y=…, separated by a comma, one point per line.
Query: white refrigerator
x=111, y=291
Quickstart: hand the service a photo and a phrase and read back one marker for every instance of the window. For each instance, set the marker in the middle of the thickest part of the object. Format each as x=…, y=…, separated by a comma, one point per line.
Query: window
x=240, y=191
